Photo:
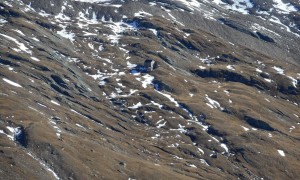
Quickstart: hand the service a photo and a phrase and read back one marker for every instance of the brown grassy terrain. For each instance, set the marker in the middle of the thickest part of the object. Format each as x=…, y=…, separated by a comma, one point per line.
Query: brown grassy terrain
x=210, y=110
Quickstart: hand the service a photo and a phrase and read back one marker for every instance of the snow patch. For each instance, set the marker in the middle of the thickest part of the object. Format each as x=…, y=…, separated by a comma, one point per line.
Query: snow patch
x=284, y=8
x=278, y=70
x=11, y=82
x=142, y=14
x=212, y=103
x=2, y=21
x=241, y=6
x=22, y=47
x=136, y=106
x=93, y=1
x=63, y=33
x=54, y=102
x=34, y=58
x=154, y=31
x=245, y=129
x=169, y=97
x=231, y=67
x=44, y=165
x=281, y=152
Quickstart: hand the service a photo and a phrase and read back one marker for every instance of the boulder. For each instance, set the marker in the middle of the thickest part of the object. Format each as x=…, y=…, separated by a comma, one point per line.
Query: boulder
x=150, y=65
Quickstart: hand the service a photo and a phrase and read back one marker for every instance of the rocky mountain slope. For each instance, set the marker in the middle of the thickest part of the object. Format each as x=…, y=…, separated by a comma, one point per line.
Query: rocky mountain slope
x=166, y=89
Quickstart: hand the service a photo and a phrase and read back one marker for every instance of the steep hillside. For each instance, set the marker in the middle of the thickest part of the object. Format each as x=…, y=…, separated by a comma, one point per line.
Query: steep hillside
x=167, y=89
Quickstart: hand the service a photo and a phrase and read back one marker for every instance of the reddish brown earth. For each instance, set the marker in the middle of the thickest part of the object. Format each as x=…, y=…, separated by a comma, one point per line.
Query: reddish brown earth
x=79, y=99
